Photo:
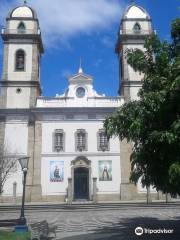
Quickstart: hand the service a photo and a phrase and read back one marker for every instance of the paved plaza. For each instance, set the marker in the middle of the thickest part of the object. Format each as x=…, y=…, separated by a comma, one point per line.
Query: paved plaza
x=105, y=222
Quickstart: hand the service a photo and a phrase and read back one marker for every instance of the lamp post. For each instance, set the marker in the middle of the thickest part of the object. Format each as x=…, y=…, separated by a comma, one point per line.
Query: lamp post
x=24, y=165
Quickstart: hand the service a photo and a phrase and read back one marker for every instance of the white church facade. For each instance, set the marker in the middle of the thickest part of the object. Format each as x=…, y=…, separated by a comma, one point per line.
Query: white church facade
x=71, y=158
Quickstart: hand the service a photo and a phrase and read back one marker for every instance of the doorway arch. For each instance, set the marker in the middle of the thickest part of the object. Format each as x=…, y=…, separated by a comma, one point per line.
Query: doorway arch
x=81, y=178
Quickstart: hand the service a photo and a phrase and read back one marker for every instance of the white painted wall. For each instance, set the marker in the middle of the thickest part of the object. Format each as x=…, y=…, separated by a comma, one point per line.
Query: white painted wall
x=84, y=102
x=18, y=100
x=129, y=25
x=31, y=26
x=134, y=91
x=132, y=75
x=108, y=186
x=8, y=186
x=54, y=188
x=18, y=75
x=70, y=128
x=59, y=188
x=16, y=137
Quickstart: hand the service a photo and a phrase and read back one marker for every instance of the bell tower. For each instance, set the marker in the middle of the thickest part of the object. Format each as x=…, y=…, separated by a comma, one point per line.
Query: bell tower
x=135, y=26
x=23, y=47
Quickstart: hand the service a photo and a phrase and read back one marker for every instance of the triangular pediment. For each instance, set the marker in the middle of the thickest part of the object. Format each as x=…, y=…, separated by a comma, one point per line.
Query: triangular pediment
x=80, y=77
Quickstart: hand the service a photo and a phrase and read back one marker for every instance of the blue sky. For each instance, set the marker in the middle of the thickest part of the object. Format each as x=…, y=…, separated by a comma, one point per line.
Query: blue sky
x=87, y=29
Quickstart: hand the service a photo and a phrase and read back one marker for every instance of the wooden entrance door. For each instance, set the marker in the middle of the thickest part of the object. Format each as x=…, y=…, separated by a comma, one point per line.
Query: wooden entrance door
x=81, y=183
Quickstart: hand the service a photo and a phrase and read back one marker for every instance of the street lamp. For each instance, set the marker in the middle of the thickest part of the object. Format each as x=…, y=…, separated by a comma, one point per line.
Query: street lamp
x=24, y=165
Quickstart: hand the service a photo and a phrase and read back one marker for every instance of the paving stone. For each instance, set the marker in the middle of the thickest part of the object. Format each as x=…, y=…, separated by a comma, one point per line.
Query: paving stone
x=118, y=223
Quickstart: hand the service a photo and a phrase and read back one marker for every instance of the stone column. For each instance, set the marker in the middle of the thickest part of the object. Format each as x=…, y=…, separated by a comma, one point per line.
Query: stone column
x=149, y=199
x=128, y=191
x=70, y=198
x=34, y=191
x=159, y=195
x=36, y=194
x=168, y=197
x=94, y=190
x=31, y=143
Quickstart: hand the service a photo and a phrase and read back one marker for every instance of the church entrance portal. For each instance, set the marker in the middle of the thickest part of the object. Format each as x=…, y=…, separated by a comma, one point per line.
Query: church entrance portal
x=81, y=183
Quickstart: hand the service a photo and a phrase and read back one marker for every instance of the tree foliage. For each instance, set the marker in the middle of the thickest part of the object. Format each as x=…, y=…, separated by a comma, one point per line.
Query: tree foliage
x=152, y=122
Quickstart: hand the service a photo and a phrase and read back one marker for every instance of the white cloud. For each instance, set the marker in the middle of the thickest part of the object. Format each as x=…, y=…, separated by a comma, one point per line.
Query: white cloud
x=65, y=73
x=61, y=19
x=108, y=41
x=98, y=62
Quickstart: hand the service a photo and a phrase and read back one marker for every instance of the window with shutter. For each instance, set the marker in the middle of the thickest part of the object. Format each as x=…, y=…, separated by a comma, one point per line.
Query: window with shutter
x=59, y=140
x=81, y=140
x=103, y=141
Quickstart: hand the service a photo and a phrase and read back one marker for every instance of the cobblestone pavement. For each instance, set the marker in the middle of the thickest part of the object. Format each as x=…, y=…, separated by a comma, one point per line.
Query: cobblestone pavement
x=107, y=223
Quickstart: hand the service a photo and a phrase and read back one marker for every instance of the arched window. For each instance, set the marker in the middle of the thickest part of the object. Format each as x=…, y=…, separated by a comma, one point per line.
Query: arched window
x=21, y=28
x=20, y=60
x=137, y=28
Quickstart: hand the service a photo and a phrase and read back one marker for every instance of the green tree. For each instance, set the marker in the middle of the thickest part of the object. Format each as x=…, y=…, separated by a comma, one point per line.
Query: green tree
x=152, y=123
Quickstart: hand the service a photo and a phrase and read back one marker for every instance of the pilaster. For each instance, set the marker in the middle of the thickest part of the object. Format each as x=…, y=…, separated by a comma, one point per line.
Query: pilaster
x=3, y=94
x=2, y=134
x=3, y=97
x=70, y=194
x=149, y=199
x=2, y=130
x=128, y=191
x=95, y=190
x=31, y=144
x=5, y=62
x=34, y=191
x=35, y=64
x=34, y=93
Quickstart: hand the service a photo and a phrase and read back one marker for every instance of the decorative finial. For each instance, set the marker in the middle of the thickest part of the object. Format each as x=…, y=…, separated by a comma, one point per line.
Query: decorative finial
x=25, y=2
x=80, y=66
x=133, y=2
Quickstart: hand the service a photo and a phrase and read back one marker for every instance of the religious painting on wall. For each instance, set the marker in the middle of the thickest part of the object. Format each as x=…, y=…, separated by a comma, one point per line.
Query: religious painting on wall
x=56, y=171
x=105, y=170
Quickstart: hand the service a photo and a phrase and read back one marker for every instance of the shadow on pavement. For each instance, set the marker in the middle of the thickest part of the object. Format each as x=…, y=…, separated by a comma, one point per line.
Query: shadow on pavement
x=125, y=230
